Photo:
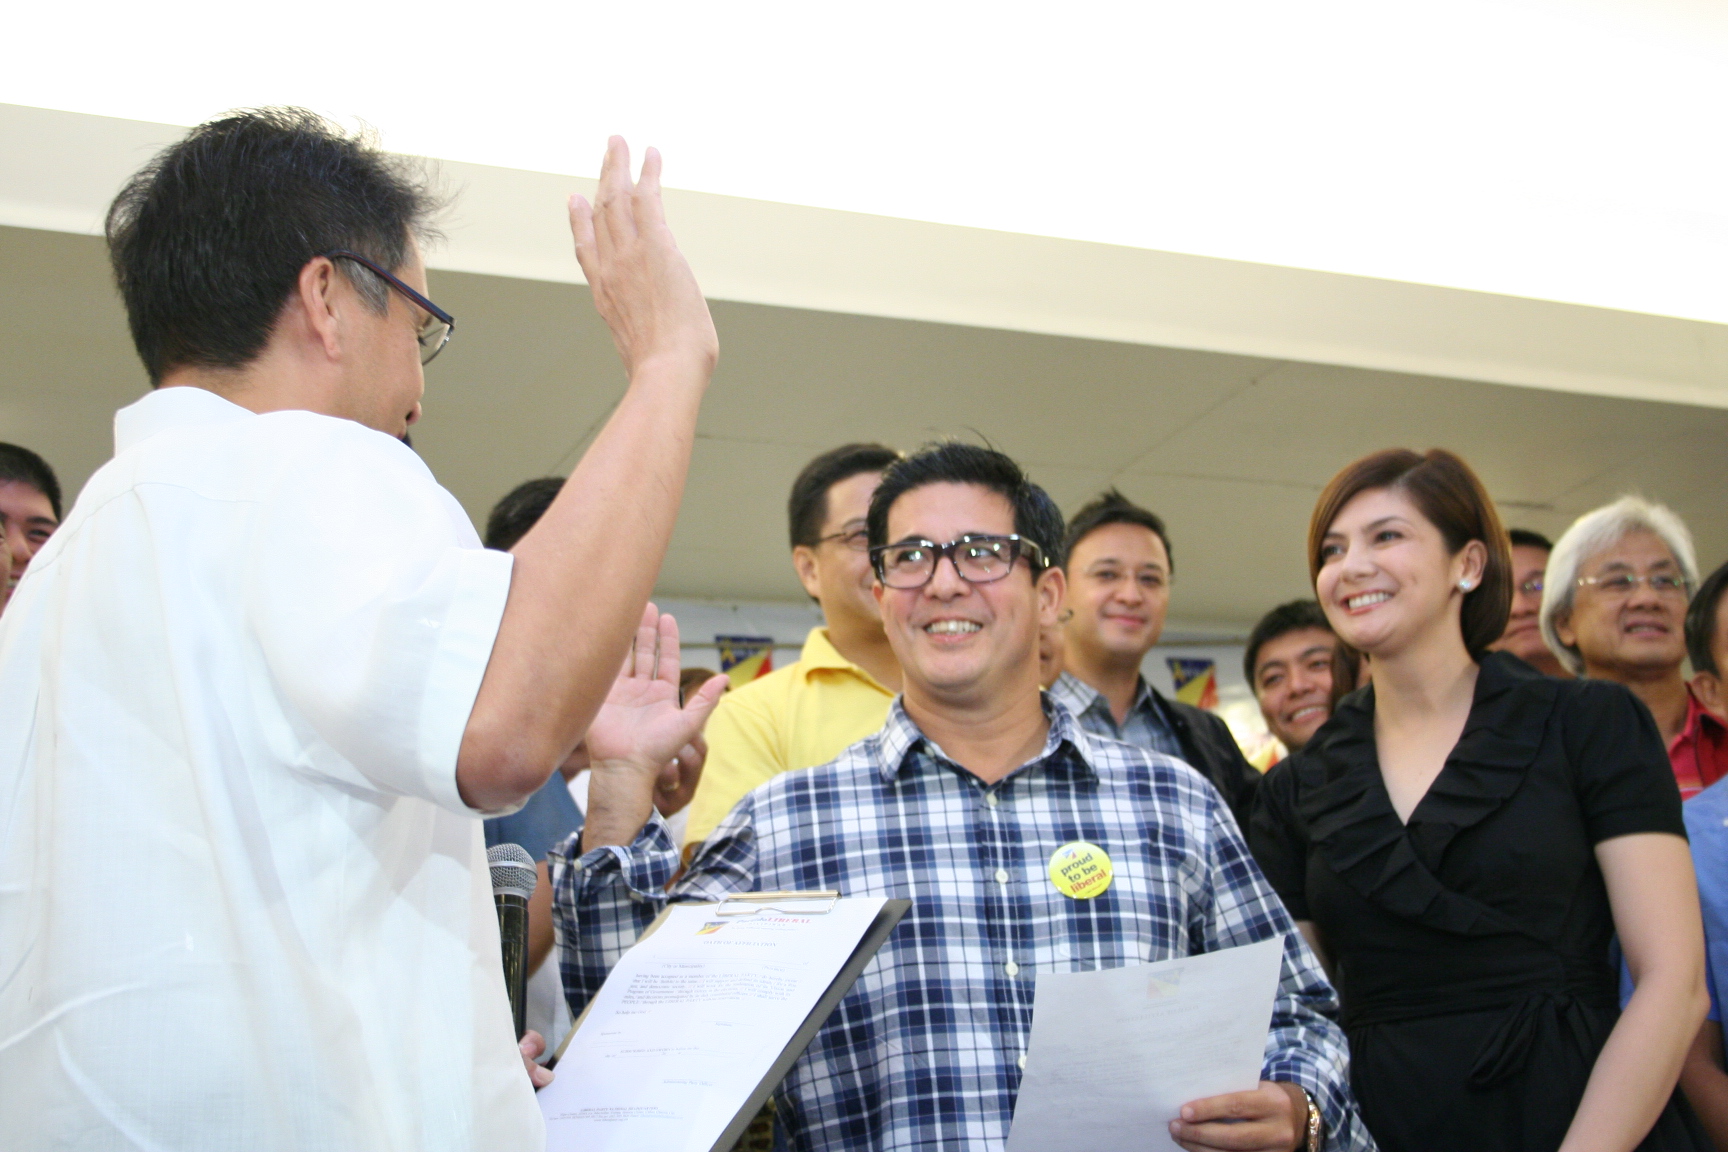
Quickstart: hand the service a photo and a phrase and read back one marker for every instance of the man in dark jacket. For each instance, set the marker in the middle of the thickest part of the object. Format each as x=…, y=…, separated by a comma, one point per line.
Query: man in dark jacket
x=1117, y=557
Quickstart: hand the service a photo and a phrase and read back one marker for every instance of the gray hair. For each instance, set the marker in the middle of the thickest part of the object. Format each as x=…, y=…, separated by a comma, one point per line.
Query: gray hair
x=370, y=287
x=1592, y=533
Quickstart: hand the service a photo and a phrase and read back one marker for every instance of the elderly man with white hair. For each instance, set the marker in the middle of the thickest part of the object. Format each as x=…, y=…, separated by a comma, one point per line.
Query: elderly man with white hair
x=1614, y=608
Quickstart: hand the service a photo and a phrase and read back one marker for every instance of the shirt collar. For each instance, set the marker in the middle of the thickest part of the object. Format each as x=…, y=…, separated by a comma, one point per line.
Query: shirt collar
x=181, y=406
x=1079, y=697
x=819, y=653
x=900, y=739
x=1698, y=718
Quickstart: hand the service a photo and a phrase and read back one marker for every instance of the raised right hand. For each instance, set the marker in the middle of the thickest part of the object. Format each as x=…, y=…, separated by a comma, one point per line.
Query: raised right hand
x=638, y=731
x=642, y=285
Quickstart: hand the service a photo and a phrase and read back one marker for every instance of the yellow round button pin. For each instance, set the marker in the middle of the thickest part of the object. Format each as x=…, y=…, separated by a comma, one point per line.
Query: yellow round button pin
x=1080, y=870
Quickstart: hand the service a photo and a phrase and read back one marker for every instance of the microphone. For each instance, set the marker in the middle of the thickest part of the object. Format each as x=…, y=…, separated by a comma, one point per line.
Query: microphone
x=513, y=881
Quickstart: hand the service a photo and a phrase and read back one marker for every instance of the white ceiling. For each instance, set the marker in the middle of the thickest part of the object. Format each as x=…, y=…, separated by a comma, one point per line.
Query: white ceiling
x=60, y=170
x=1232, y=450
x=1555, y=149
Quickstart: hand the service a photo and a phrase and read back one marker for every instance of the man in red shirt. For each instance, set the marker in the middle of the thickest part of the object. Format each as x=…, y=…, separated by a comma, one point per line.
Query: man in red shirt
x=1701, y=747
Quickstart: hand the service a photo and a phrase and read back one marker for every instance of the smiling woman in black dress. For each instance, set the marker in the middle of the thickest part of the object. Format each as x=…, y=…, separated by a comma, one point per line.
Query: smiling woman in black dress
x=1464, y=837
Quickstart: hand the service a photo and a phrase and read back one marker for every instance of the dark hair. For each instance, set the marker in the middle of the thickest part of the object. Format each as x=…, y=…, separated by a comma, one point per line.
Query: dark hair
x=1036, y=516
x=1524, y=538
x=807, y=508
x=208, y=239
x=1448, y=493
x=1701, y=620
x=520, y=510
x=1281, y=621
x=23, y=466
x=1111, y=507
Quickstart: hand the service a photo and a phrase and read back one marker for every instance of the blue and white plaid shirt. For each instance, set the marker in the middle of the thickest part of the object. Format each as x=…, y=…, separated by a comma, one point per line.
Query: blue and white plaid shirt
x=926, y=1050
x=1146, y=725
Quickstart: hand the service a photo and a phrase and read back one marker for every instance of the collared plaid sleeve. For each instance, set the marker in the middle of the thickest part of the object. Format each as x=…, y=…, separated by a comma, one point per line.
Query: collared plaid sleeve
x=602, y=900
x=1305, y=1045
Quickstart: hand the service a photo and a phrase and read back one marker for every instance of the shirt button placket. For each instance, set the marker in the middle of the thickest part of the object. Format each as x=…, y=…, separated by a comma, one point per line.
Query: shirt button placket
x=1002, y=926
x=997, y=913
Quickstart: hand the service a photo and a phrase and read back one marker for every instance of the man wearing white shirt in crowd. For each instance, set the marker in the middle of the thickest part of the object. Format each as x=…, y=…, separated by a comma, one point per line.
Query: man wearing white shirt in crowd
x=262, y=684
x=555, y=811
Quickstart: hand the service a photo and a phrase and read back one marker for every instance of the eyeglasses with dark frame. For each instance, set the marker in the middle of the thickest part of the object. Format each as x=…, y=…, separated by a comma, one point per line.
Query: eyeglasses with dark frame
x=439, y=326
x=978, y=558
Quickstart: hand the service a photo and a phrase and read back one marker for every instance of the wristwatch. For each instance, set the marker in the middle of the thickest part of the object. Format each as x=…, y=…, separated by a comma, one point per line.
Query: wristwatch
x=1312, y=1128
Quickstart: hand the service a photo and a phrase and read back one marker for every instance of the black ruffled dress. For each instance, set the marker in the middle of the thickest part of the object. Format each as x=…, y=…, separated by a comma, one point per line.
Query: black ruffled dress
x=1472, y=946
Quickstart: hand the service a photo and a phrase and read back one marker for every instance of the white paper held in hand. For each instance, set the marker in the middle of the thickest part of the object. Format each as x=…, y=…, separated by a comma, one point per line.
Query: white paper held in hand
x=689, y=1022
x=1116, y=1053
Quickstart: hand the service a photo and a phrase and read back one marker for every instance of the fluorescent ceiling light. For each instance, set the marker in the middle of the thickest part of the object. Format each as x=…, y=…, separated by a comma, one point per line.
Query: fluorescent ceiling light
x=1560, y=150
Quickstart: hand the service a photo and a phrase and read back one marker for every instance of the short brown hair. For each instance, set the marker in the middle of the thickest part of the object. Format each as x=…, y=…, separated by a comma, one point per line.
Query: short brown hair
x=1448, y=493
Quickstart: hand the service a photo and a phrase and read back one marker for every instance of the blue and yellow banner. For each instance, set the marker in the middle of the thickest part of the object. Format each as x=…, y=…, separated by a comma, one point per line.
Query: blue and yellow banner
x=743, y=658
x=1196, y=680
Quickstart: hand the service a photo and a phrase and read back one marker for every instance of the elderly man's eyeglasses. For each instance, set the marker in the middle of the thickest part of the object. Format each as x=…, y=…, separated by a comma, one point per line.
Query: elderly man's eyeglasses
x=979, y=559
x=435, y=332
x=1623, y=583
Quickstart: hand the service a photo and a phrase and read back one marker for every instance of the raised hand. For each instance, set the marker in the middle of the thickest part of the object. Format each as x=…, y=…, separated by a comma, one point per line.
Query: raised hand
x=642, y=285
x=584, y=570
x=642, y=723
x=639, y=730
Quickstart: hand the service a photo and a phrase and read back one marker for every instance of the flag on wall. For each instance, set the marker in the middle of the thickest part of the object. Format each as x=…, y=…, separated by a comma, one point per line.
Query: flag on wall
x=1196, y=680
x=743, y=658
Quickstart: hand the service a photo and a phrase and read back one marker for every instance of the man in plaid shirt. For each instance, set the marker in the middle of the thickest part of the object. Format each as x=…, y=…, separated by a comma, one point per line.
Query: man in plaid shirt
x=958, y=804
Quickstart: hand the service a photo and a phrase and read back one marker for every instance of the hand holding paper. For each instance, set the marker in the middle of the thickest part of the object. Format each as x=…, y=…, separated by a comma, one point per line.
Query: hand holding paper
x=1116, y=1054
x=1268, y=1119
x=533, y=1046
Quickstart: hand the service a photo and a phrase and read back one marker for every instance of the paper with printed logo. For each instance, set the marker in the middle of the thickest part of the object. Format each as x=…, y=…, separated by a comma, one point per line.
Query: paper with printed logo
x=690, y=1021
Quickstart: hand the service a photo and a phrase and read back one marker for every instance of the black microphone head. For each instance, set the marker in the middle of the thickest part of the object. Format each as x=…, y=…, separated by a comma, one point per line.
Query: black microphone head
x=512, y=870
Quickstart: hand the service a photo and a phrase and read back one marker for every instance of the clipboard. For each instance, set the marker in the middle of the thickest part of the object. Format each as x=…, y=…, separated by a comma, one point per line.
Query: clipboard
x=874, y=937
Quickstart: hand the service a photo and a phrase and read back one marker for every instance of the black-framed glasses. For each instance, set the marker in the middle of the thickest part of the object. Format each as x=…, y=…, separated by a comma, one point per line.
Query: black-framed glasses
x=857, y=539
x=979, y=559
x=1623, y=583
x=433, y=334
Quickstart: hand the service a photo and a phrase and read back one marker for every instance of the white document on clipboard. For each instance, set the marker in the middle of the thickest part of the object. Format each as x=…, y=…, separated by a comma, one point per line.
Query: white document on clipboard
x=692, y=1018
x=1115, y=1053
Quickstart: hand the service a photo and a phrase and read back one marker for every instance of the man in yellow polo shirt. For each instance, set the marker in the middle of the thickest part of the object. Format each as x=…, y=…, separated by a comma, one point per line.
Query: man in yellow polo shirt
x=839, y=690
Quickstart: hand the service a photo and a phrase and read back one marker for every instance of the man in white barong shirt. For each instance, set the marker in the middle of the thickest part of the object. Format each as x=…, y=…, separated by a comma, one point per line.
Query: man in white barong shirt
x=257, y=692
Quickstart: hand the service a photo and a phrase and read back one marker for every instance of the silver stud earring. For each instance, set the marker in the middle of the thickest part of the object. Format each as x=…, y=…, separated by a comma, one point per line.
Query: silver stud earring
x=1464, y=585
